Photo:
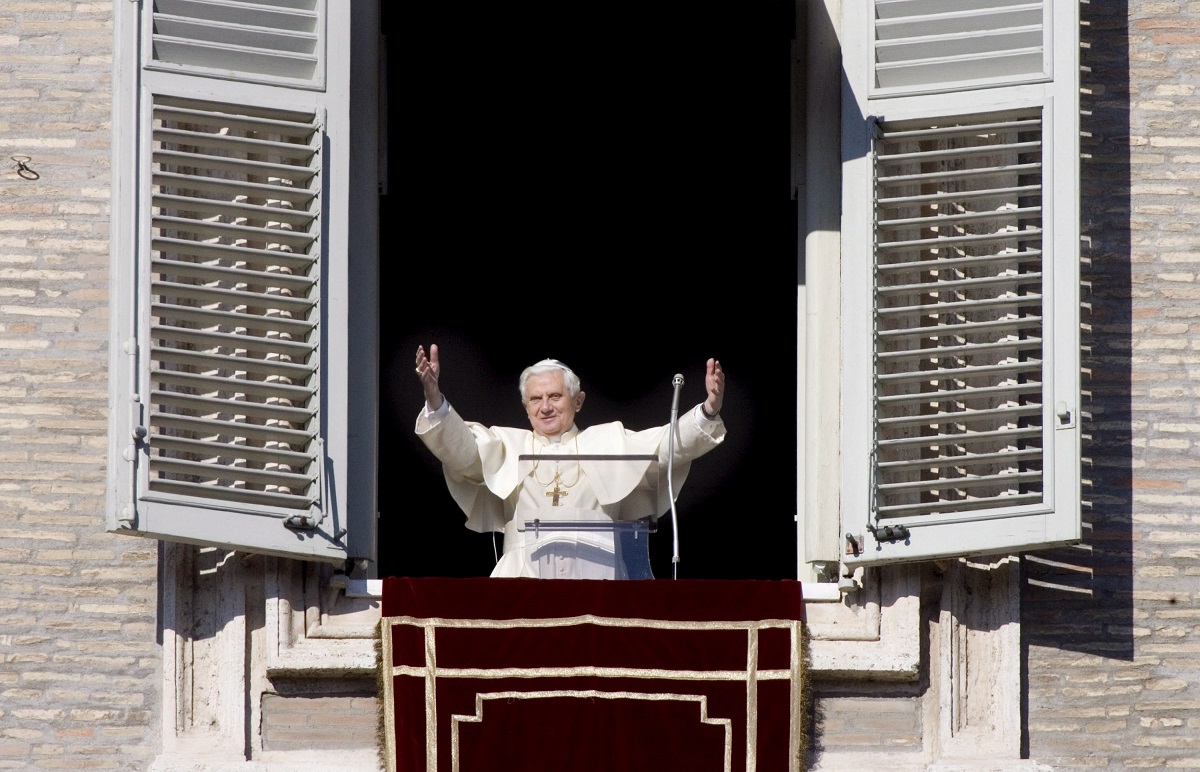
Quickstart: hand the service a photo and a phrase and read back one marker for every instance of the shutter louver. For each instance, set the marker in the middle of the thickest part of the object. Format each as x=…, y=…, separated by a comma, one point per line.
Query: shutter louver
x=959, y=315
x=234, y=311
x=939, y=43
x=238, y=38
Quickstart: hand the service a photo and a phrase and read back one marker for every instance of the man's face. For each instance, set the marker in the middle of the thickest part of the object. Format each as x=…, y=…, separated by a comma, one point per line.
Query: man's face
x=549, y=404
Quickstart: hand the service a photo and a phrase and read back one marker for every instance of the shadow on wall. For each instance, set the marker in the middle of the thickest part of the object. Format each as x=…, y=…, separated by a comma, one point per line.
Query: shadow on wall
x=1080, y=598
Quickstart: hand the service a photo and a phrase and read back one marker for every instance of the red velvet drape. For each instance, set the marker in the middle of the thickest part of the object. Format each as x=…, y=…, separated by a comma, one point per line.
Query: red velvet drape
x=529, y=674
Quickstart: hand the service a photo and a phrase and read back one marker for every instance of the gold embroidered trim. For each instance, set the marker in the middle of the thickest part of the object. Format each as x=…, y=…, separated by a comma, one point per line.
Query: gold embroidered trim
x=752, y=678
x=700, y=699
x=592, y=671
x=431, y=676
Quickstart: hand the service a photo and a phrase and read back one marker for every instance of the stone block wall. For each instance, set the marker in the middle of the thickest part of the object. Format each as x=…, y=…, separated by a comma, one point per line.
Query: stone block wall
x=324, y=722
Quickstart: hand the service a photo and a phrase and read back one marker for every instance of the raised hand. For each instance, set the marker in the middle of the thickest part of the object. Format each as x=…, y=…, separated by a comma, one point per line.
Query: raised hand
x=428, y=370
x=714, y=385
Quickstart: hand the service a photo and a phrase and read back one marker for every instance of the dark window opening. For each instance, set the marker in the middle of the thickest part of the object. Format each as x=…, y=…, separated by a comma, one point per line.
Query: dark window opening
x=606, y=185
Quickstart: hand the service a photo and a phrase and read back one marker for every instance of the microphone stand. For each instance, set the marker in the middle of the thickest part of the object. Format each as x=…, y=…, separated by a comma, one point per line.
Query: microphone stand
x=673, y=430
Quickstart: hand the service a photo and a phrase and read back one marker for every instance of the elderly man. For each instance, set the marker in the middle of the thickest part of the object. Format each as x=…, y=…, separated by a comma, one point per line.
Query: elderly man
x=507, y=479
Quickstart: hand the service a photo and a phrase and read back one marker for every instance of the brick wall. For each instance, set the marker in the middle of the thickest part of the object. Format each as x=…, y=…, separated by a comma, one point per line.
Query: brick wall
x=78, y=656
x=1111, y=626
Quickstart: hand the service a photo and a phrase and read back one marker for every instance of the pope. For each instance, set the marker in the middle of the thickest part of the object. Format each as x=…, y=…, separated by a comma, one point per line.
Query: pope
x=504, y=478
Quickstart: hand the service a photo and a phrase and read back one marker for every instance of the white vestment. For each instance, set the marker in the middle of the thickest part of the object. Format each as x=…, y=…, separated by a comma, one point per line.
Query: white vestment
x=500, y=491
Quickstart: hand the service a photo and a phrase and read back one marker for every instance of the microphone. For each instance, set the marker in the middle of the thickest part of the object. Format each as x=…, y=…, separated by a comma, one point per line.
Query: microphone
x=677, y=382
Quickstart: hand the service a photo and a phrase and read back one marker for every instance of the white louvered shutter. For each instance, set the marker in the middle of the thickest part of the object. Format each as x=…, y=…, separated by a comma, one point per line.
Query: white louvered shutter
x=227, y=429
x=960, y=273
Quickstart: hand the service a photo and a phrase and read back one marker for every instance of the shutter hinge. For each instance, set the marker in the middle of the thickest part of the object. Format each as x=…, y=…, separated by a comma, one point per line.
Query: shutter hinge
x=137, y=409
x=127, y=516
x=890, y=533
x=302, y=522
x=139, y=433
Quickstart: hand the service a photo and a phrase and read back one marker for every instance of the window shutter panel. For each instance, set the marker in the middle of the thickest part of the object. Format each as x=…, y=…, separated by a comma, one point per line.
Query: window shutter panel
x=221, y=430
x=961, y=279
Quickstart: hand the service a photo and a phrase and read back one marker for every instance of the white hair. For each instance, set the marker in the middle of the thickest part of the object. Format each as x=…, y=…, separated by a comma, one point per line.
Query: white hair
x=549, y=366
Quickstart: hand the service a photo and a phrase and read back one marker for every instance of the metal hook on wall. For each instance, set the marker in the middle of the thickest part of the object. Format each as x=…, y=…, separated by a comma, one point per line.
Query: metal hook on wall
x=23, y=169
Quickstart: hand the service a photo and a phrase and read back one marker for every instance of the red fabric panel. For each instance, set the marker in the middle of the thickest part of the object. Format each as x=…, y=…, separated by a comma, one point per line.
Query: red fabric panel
x=659, y=676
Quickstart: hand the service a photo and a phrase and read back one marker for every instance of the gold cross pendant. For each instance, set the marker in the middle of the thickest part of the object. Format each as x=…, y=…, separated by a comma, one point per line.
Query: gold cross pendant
x=556, y=494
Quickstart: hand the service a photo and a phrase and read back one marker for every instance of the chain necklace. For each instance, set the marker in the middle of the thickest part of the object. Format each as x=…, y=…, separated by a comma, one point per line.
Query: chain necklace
x=557, y=481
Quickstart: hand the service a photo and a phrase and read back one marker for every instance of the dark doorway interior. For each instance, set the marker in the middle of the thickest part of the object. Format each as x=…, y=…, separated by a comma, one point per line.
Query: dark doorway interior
x=606, y=184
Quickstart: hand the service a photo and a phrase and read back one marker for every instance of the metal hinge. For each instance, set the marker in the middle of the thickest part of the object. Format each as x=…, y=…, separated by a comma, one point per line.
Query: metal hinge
x=890, y=533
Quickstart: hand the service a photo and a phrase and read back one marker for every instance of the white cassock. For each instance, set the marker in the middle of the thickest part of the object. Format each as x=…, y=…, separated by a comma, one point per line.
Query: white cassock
x=505, y=479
